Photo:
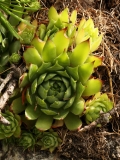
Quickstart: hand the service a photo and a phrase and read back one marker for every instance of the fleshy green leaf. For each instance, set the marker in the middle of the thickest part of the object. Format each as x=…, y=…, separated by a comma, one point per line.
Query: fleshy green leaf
x=41, y=78
x=42, y=92
x=64, y=17
x=32, y=71
x=32, y=112
x=61, y=42
x=52, y=14
x=73, y=72
x=73, y=84
x=49, y=76
x=17, y=106
x=29, y=96
x=97, y=60
x=79, y=90
x=55, y=67
x=92, y=87
x=68, y=93
x=63, y=59
x=73, y=16
x=31, y=55
x=42, y=31
x=63, y=73
x=59, y=24
x=44, y=122
x=94, y=46
x=49, y=112
x=49, y=51
x=73, y=122
x=57, y=104
x=81, y=24
x=71, y=30
x=43, y=68
x=66, y=82
x=80, y=53
x=62, y=114
x=51, y=99
x=24, y=80
x=85, y=71
x=34, y=86
x=41, y=102
x=79, y=36
x=78, y=107
x=38, y=44
x=69, y=103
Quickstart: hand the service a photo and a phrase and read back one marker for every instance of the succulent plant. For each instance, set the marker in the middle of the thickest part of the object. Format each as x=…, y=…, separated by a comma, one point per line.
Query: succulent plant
x=94, y=107
x=77, y=32
x=9, y=52
x=36, y=133
x=26, y=141
x=14, y=58
x=59, y=72
x=15, y=9
x=49, y=140
x=13, y=129
x=27, y=32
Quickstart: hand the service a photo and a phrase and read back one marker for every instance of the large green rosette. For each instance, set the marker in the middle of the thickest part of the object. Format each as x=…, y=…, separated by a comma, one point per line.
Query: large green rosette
x=59, y=73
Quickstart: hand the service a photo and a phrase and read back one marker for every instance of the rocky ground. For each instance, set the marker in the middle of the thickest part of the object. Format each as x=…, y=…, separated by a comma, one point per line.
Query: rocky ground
x=97, y=143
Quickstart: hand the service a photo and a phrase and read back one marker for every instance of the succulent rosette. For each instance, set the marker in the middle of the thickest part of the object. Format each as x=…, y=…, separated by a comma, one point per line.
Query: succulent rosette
x=36, y=133
x=77, y=32
x=26, y=141
x=14, y=58
x=59, y=73
x=94, y=107
x=13, y=129
x=49, y=140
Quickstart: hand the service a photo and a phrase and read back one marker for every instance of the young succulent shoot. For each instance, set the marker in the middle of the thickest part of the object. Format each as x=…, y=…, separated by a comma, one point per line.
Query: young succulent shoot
x=59, y=74
x=13, y=129
x=86, y=31
x=14, y=58
x=27, y=32
x=26, y=140
x=94, y=107
x=49, y=140
x=77, y=32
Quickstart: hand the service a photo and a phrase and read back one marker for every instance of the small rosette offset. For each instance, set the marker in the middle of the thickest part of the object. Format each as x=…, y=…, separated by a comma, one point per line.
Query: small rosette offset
x=99, y=104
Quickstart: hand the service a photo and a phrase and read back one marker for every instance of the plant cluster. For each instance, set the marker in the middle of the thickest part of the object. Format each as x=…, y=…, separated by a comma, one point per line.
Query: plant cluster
x=28, y=139
x=58, y=87
x=11, y=13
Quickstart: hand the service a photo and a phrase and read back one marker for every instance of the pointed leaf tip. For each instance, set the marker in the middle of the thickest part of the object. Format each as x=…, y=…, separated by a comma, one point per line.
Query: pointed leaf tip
x=31, y=55
x=92, y=87
x=52, y=14
x=80, y=53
